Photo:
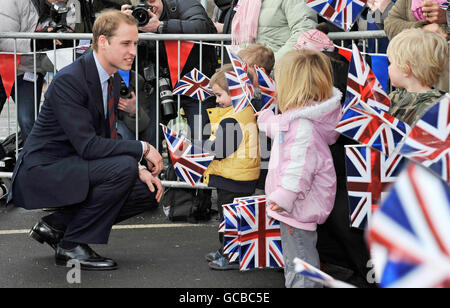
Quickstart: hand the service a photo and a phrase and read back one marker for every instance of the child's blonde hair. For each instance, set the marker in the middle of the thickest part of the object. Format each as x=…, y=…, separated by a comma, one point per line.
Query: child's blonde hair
x=219, y=77
x=258, y=54
x=303, y=76
x=423, y=51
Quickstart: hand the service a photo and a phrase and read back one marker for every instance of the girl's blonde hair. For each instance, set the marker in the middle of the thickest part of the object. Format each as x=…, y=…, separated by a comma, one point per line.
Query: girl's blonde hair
x=303, y=76
x=423, y=51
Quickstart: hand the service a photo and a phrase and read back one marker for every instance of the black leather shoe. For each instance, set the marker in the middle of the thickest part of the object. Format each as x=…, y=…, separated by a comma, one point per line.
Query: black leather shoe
x=44, y=233
x=89, y=259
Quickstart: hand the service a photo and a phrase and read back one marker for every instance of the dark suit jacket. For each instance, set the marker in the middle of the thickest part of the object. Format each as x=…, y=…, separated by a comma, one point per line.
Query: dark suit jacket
x=52, y=169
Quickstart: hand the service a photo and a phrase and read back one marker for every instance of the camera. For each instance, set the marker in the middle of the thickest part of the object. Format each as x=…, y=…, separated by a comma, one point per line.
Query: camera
x=58, y=14
x=166, y=98
x=140, y=12
x=124, y=90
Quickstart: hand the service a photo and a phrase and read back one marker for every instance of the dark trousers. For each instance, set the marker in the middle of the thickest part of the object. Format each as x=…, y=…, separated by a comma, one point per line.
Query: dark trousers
x=226, y=197
x=115, y=194
x=27, y=107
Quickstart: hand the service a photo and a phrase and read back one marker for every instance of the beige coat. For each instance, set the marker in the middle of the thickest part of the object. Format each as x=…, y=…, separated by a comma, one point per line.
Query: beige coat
x=400, y=18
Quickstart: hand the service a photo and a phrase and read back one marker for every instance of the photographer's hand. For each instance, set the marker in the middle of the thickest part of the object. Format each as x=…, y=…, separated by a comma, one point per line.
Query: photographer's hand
x=126, y=8
x=128, y=104
x=153, y=23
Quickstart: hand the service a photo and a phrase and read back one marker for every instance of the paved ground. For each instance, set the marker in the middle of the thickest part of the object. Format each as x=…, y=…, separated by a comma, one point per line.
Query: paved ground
x=151, y=252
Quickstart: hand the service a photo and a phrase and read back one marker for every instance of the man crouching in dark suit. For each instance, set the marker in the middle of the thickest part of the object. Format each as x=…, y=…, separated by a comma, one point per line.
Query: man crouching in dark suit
x=73, y=161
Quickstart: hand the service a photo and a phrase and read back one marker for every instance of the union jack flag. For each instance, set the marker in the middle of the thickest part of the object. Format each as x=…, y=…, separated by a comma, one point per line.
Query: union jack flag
x=429, y=141
x=363, y=86
x=231, y=241
x=241, y=69
x=379, y=130
x=238, y=97
x=317, y=275
x=268, y=90
x=369, y=174
x=342, y=13
x=188, y=161
x=195, y=85
x=412, y=227
x=259, y=237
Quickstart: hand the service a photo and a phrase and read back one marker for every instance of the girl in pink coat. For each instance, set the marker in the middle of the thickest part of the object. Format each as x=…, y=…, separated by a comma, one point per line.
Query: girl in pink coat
x=301, y=181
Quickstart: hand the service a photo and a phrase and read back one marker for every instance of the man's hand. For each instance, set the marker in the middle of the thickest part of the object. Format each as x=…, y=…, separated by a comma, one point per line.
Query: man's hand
x=435, y=28
x=152, y=181
x=128, y=104
x=433, y=13
x=155, y=159
x=152, y=25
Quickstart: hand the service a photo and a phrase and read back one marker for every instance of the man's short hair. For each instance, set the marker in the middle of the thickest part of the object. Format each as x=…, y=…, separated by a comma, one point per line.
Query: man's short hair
x=258, y=54
x=107, y=23
x=425, y=52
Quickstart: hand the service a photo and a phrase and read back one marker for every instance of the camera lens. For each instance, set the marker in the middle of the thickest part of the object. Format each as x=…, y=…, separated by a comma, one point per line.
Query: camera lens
x=141, y=15
x=124, y=90
x=166, y=98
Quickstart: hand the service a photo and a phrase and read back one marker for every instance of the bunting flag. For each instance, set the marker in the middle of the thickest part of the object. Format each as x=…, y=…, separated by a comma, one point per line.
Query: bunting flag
x=7, y=71
x=409, y=234
x=343, y=13
x=195, y=85
x=250, y=236
x=429, y=142
x=369, y=175
x=313, y=273
x=60, y=58
x=188, y=161
x=172, y=57
x=379, y=65
x=268, y=90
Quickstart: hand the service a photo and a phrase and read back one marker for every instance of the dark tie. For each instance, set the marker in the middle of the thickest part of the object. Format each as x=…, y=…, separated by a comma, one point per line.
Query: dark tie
x=111, y=112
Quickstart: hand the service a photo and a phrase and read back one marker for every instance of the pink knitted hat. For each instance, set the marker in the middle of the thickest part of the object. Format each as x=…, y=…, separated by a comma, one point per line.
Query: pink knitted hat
x=314, y=40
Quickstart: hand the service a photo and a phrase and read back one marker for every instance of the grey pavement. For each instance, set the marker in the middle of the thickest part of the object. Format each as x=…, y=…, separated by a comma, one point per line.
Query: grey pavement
x=153, y=252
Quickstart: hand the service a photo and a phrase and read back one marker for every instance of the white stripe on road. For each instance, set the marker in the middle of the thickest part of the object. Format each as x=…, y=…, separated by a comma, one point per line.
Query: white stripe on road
x=122, y=227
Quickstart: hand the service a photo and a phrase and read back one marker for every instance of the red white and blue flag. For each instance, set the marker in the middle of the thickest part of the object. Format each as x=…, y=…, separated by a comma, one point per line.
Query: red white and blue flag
x=313, y=273
x=195, y=85
x=259, y=236
x=409, y=234
x=241, y=69
x=342, y=13
x=429, y=140
x=379, y=130
x=231, y=241
x=239, y=99
x=188, y=161
x=268, y=90
x=363, y=86
x=369, y=175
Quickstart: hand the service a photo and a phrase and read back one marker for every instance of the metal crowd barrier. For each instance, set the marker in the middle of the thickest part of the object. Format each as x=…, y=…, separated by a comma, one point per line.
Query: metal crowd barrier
x=218, y=40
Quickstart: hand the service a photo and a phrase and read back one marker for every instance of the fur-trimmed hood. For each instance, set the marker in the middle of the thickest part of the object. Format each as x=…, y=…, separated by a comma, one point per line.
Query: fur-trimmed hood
x=325, y=116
